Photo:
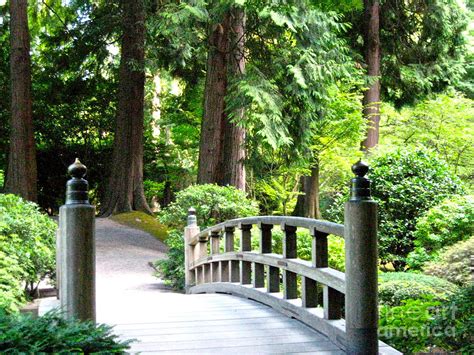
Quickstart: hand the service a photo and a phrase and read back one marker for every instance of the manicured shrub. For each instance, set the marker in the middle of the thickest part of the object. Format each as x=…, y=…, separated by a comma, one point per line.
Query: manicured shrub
x=395, y=287
x=213, y=204
x=453, y=263
x=407, y=327
x=453, y=324
x=449, y=222
x=51, y=333
x=406, y=183
x=31, y=236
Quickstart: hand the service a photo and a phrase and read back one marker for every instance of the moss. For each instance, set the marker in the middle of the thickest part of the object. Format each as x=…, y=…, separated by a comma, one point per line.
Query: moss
x=142, y=221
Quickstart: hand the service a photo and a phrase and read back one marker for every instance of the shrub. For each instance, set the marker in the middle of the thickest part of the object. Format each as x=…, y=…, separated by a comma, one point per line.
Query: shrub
x=407, y=327
x=454, y=323
x=406, y=183
x=53, y=334
x=453, y=263
x=11, y=274
x=172, y=268
x=32, y=237
x=441, y=226
x=394, y=287
x=213, y=204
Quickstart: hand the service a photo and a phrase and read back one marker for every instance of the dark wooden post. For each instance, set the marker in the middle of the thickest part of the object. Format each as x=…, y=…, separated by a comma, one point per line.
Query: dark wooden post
x=360, y=233
x=245, y=245
x=77, y=248
x=290, y=288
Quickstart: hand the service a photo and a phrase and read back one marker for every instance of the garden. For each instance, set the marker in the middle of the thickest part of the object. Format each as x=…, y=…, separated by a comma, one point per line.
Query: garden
x=242, y=108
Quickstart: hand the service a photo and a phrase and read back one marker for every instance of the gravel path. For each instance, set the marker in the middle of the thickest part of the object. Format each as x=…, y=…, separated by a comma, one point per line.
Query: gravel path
x=123, y=272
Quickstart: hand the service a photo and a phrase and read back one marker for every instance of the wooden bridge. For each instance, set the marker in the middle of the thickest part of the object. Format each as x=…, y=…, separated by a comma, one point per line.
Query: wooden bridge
x=247, y=301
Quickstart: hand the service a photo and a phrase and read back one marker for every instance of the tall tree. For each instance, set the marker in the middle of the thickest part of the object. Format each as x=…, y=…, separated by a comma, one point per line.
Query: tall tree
x=125, y=189
x=222, y=153
x=234, y=139
x=21, y=172
x=371, y=99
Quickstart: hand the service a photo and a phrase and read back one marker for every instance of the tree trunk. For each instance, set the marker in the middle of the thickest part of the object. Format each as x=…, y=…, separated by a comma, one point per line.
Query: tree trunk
x=371, y=99
x=234, y=144
x=22, y=170
x=212, y=130
x=312, y=209
x=125, y=190
x=308, y=204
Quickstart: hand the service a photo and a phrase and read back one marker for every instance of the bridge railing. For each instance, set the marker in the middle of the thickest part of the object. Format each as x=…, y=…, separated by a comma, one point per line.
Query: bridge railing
x=348, y=315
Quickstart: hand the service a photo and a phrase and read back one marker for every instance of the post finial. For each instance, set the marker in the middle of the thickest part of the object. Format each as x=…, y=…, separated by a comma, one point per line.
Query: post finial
x=192, y=220
x=77, y=187
x=360, y=185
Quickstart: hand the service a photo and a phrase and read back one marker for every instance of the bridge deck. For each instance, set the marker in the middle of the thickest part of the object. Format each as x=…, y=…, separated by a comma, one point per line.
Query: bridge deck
x=206, y=324
x=129, y=297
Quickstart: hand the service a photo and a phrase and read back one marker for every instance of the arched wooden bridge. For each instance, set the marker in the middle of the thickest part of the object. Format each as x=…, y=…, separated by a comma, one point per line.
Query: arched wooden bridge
x=239, y=299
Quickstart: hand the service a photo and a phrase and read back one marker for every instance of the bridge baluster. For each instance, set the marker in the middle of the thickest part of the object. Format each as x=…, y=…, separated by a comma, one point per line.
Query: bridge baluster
x=333, y=301
x=245, y=245
x=258, y=275
x=289, y=252
x=319, y=250
x=309, y=292
x=215, y=249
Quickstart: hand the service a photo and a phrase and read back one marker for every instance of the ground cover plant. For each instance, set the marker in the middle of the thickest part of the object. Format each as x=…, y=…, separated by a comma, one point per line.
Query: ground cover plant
x=52, y=333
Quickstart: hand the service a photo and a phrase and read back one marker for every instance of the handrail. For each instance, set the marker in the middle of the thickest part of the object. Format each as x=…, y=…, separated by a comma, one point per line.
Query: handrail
x=308, y=223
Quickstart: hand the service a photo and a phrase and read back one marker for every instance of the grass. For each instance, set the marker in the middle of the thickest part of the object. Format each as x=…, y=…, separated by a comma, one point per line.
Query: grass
x=142, y=221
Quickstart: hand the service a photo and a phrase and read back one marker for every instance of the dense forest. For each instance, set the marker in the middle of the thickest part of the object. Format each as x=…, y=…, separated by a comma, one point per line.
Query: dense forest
x=273, y=100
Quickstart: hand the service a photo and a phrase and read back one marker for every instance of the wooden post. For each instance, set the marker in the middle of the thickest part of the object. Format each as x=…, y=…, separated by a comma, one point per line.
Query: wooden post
x=290, y=288
x=360, y=233
x=189, y=231
x=245, y=245
x=76, y=254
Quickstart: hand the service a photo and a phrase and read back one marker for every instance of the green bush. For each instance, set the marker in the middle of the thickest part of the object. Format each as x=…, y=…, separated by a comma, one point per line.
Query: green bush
x=213, y=204
x=30, y=235
x=443, y=225
x=453, y=325
x=172, y=268
x=53, y=334
x=11, y=274
x=395, y=287
x=453, y=263
x=406, y=183
x=407, y=327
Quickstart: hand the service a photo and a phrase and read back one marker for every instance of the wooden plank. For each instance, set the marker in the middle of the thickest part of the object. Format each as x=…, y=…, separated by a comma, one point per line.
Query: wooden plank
x=288, y=348
x=212, y=337
x=203, y=324
x=232, y=342
x=287, y=323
